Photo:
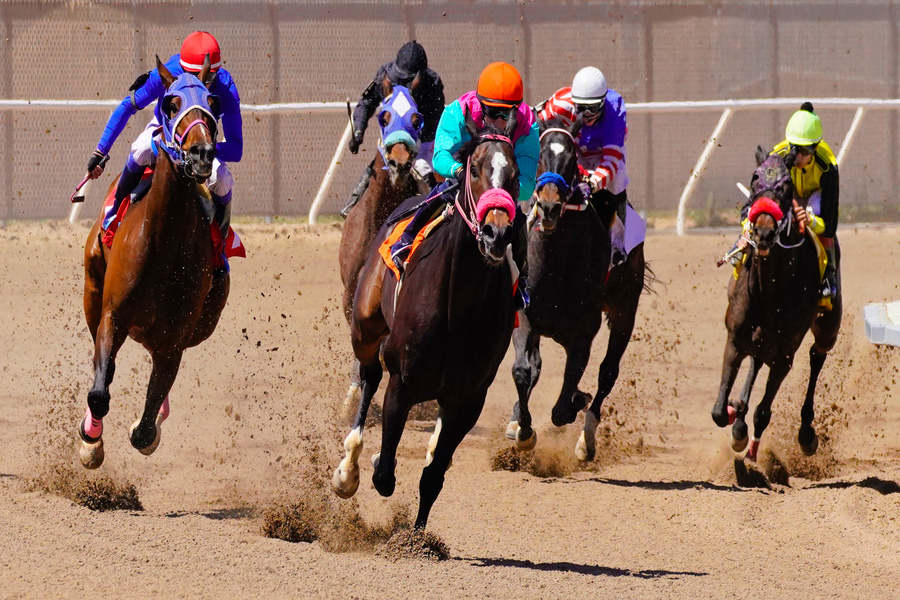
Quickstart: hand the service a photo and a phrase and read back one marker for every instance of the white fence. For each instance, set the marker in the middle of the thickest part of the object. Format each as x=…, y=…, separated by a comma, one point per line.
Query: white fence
x=728, y=108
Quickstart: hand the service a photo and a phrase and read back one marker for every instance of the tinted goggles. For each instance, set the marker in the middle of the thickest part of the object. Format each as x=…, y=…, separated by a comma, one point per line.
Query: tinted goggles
x=497, y=112
x=590, y=110
x=804, y=150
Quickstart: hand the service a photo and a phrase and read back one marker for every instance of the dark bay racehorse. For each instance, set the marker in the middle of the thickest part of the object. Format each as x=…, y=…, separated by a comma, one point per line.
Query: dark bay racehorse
x=568, y=258
x=392, y=181
x=155, y=284
x=447, y=333
x=771, y=305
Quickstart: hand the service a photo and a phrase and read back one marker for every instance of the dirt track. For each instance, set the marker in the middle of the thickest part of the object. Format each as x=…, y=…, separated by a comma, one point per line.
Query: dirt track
x=254, y=424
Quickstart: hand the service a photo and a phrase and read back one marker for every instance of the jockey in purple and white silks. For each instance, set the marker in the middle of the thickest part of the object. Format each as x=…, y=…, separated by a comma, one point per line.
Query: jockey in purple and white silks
x=149, y=88
x=601, y=146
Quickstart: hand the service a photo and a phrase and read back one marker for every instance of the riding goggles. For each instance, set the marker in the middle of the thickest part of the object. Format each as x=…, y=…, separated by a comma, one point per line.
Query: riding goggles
x=590, y=110
x=497, y=112
x=804, y=150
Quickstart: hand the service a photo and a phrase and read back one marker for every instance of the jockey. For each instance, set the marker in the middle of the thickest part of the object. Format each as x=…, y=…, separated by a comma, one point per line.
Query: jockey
x=601, y=144
x=814, y=172
x=499, y=92
x=148, y=88
x=411, y=62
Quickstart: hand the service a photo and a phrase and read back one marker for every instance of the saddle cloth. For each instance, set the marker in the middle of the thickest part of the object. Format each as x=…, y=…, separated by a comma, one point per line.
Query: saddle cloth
x=230, y=247
x=385, y=249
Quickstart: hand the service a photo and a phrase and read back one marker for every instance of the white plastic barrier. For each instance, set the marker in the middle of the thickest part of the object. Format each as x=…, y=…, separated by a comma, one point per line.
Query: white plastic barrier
x=728, y=108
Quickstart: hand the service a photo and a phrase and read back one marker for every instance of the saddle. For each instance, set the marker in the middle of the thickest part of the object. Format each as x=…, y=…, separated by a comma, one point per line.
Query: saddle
x=113, y=214
x=397, y=231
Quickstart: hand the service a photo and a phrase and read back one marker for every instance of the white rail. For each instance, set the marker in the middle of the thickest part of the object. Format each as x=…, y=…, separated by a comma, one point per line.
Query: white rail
x=728, y=107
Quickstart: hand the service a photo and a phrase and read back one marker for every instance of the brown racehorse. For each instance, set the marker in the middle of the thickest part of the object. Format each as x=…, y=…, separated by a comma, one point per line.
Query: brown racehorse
x=448, y=330
x=571, y=287
x=156, y=282
x=771, y=305
x=389, y=185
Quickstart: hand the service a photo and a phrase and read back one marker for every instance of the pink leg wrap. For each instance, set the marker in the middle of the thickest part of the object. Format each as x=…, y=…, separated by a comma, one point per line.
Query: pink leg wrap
x=732, y=414
x=753, y=449
x=164, y=409
x=93, y=427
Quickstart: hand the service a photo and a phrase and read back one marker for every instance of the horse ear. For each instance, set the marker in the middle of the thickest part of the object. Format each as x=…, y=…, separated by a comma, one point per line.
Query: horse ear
x=204, y=72
x=384, y=118
x=760, y=155
x=387, y=87
x=577, y=124
x=214, y=104
x=512, y=122
x=164, y=74
x=541, y=125
x=471, y=127
x=415, y=82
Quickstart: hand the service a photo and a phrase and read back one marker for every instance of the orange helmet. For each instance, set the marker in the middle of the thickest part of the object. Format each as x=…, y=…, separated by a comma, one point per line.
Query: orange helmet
x=500, y=85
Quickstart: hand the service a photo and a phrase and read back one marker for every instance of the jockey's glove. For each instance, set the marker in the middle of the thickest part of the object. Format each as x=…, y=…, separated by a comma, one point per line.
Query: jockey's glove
x=584, y=189
x=356, y=141
x=598, y=182
x=96, y=162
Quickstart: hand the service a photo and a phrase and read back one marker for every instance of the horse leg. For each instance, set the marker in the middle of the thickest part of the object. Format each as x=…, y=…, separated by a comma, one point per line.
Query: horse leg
x=213, y=305
x=763, y=412
x=94, y=274
x=731, y=362
x=809, y=441
x=621, y=324
x=345, y=481
x=353, y=393
x=526, y=371
x=108, y=340
x=738, y=414
x=145, y=433
x=397, y=402
x=571, y=400
x=456, y=425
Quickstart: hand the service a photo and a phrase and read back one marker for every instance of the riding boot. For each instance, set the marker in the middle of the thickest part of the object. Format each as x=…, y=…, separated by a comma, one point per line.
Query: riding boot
x=829, y=279
x=131, y=177
x=223, y=219
x=432, y=205
x=520, y=257
x=361, y=186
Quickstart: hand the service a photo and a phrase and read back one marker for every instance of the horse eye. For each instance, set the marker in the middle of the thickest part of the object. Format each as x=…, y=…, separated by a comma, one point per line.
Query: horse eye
x=473, y=171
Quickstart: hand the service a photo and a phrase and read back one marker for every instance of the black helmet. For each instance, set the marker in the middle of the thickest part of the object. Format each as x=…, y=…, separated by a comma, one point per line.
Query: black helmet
x=411, y=59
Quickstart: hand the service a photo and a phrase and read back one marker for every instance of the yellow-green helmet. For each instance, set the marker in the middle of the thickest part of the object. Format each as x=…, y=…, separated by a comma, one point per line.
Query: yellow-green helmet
x=804, y=129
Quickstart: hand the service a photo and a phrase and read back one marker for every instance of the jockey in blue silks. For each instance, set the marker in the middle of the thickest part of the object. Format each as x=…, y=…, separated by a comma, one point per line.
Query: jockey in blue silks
x=149, y=88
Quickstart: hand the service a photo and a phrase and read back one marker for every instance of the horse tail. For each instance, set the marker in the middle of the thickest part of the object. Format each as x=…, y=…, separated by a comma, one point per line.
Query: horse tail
x=650, y=278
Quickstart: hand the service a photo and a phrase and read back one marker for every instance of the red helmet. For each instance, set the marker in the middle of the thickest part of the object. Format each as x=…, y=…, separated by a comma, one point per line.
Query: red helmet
x=194, y=50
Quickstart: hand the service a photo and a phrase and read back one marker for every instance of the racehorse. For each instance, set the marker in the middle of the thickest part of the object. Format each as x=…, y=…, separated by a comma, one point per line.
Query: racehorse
x=445, y=328
x=155, y=284
x=772, y=303
x=571, y=286
x=392, y=181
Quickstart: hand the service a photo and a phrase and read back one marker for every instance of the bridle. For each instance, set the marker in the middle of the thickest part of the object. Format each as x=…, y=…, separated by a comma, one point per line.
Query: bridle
x=467, y=211
x=784, y=225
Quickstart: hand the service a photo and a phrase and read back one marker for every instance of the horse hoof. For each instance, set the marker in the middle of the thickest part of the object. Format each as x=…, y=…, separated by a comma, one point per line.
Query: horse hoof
x=739, y=445
x=384, y=486
x=512, y=428
x=585, y=448
x=346, y=480
x=376, y=458
x=810, y=448
x=732, y=414
x=153, y=445
x=526, y=443
x=91, y=455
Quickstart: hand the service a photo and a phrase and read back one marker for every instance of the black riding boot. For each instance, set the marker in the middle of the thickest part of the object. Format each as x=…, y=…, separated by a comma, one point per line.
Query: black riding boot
x=222, y=217
x=361, y=187
x=520, y=256
x=829, y=280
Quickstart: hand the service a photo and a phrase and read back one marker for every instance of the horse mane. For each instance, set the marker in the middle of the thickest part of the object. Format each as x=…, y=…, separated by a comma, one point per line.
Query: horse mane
x=466, y=150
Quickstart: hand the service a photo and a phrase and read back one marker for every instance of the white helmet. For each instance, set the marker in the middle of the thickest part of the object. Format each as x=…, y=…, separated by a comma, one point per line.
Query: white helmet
x=589, y=86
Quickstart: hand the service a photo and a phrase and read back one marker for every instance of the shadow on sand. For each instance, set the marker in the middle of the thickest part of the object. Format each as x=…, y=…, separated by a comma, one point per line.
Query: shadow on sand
x=567, y=567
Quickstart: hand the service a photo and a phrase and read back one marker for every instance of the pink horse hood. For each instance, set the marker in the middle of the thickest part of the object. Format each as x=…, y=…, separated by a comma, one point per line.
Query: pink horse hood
x=524, y=120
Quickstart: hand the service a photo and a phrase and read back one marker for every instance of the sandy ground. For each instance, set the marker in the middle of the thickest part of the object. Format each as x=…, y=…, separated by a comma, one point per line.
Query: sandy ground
x=255, y=425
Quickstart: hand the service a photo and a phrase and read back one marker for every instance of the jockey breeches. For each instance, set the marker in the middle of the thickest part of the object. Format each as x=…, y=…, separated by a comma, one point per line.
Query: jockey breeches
x=423, y=159
x=220, y=182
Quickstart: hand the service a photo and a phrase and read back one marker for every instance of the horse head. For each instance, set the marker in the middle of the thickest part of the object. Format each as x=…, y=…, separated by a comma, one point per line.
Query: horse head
x=772, y=191
x=187, y=115
x=558, y=169
x=490, y=183
x=400, y=123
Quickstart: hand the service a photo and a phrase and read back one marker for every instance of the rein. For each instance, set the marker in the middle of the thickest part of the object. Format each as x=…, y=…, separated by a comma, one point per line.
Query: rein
x=470, y=202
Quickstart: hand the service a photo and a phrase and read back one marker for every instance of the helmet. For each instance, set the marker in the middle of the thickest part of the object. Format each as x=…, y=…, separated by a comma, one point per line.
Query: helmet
x=500, y=85
x=411, y=59
x=589, y=86
x=804, y=129
x=194, y=50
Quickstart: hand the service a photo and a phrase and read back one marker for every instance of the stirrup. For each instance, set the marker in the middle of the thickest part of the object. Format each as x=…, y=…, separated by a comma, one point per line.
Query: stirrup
x=400, y=255
x=827, y=290
x=348, y=207
x=618, y=257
